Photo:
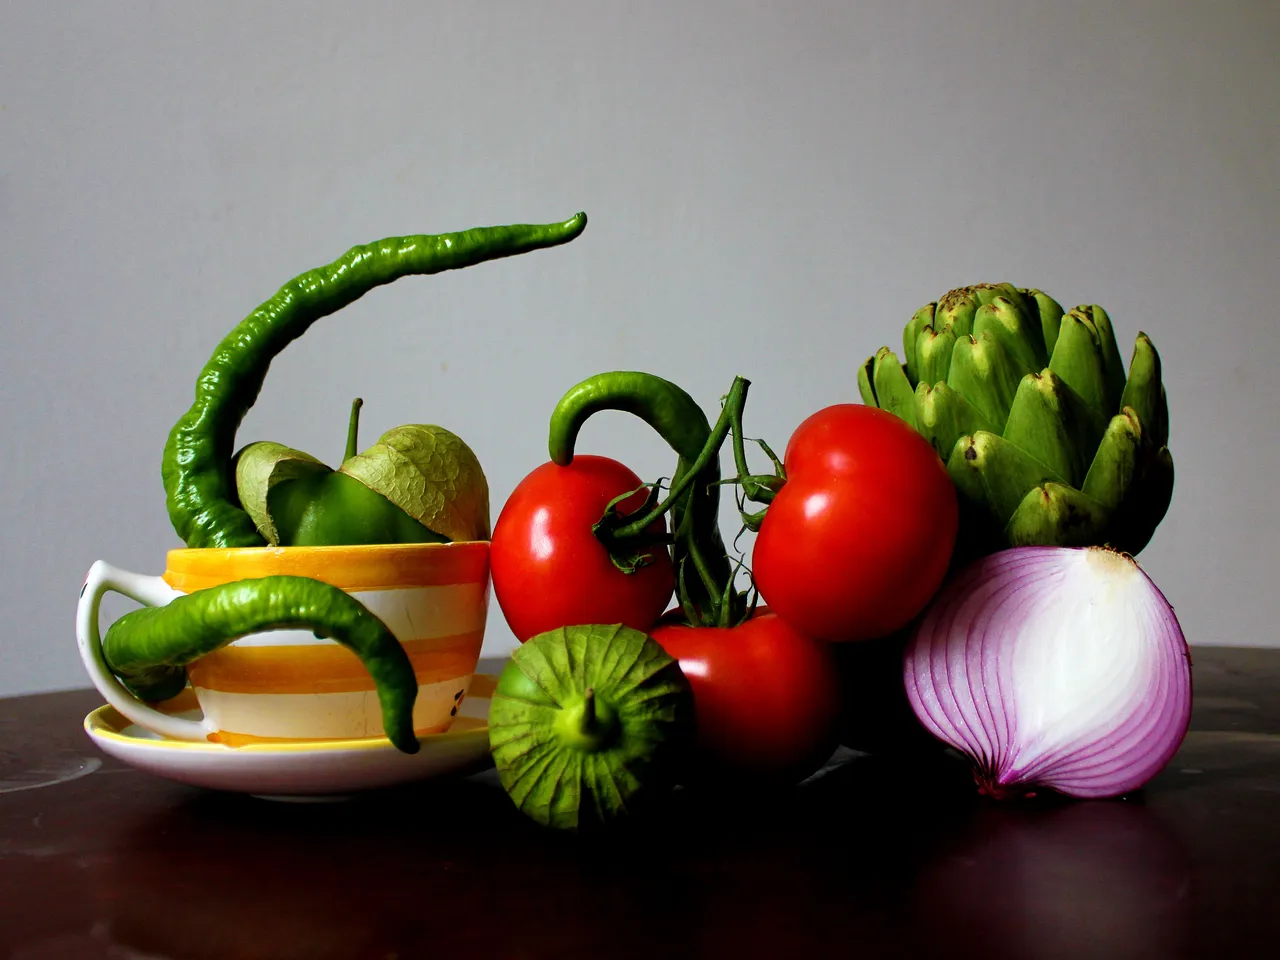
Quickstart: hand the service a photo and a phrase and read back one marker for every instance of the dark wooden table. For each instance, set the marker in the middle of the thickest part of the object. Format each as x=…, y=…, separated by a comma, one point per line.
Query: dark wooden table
x=869, y=859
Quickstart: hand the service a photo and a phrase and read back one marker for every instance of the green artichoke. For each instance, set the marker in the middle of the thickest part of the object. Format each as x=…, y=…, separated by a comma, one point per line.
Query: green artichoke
x=1047, y=440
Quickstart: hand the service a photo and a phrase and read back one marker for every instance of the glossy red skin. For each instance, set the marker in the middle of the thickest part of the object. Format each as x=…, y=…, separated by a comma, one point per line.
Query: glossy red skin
x=548, y=568
x=859, y=537
x=766, y=698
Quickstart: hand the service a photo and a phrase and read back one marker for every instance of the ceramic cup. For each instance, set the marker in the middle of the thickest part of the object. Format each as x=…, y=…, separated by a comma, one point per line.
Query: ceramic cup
x=289, y=684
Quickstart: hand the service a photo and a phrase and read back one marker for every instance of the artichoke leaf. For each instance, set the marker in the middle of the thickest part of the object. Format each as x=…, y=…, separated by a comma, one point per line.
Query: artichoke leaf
x=1144, y=391
x=944, y=416
x=1057, y=515
x=1078, y=360
x=261, y=467
x=1050, y=313
x=987, y=375
x=865, y=387
x=990, y=292
x=430, y=474
x=893, y=391
x=955, y=310
x=1014, y=328
x=1052, y=423
x=919, y=320
x=994, y=473
x=1146, y=504
x=958, y=307
x=1112, y=362
x=1117, y=461
x=933, y=353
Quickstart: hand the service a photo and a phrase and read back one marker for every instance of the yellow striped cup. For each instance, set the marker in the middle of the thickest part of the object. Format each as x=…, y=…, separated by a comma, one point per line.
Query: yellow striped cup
x=289, y=684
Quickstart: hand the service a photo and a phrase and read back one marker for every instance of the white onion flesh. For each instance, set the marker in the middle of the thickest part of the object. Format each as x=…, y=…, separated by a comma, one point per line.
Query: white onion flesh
x=1053, y=667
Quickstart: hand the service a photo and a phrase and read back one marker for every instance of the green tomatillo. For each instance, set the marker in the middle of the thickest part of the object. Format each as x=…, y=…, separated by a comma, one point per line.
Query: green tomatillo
x=589, y=724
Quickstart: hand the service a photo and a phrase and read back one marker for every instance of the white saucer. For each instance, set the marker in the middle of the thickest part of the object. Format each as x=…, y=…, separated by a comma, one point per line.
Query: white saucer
x=311, y=770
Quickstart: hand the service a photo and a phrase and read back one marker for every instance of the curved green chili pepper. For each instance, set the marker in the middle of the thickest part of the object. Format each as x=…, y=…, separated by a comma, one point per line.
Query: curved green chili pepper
x=148, y=648
x=196, y=466
x=695, y=517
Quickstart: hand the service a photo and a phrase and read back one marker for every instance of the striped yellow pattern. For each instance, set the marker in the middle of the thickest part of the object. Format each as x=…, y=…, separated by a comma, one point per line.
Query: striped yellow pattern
x=366, y=567
x=327, y=668
x=369, y=567
x=433, y=597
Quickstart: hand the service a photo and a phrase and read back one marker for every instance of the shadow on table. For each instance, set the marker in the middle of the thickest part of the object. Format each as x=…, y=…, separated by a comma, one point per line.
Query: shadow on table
x=882, y=857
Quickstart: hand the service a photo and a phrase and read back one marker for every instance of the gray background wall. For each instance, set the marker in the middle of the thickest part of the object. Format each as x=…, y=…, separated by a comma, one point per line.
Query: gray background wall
x=773, y=190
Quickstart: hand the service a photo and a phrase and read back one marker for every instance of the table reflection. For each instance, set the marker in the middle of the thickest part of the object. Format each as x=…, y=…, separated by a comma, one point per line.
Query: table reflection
x=1069, y=879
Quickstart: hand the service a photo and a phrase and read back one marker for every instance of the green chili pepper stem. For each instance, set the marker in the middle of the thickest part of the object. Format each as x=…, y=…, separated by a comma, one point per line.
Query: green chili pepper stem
x=353, y=430
x=679, y=420
x=148, y=648
x=196, y=465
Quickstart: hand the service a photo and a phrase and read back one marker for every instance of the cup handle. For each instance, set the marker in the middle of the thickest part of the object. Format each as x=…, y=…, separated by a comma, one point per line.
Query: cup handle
x=151, y=592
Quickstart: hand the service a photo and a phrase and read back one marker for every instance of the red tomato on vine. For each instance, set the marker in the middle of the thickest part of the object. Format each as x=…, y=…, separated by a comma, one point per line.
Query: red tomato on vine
x=859, y=537
x=548, y=568
x=765, y=697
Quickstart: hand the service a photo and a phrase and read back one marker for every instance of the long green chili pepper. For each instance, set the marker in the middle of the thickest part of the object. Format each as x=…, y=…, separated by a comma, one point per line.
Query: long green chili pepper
x=682, y=424
x=148, y=648
x=198, y=481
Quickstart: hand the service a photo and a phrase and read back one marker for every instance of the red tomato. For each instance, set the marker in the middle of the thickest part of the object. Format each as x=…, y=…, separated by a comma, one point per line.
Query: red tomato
x=765, y=697
x=548, y=568
x=860, y=535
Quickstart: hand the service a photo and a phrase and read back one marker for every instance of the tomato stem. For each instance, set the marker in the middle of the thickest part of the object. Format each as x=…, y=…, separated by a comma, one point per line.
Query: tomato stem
x=720, y=597
x=731, y=411
x=758, y=487
x=621, y=535
x=725, y=604
x=714, y=589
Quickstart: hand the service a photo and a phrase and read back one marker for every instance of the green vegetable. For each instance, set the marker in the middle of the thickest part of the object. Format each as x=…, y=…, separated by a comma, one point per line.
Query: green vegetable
x=589, y=724
x=1046, y=439
x=197, y=463
x=417, y=484
x=681, y=423
x=149, y=648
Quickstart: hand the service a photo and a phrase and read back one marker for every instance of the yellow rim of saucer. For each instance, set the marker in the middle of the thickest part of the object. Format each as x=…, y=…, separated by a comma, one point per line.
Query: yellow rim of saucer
x=100, y=725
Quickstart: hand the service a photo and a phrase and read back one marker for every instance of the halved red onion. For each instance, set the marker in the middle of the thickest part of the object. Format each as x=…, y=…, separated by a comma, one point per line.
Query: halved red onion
x=1053, y=667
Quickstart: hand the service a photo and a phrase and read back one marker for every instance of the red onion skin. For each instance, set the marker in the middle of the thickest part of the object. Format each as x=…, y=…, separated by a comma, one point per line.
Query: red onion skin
x=957, y=670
